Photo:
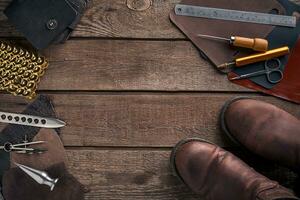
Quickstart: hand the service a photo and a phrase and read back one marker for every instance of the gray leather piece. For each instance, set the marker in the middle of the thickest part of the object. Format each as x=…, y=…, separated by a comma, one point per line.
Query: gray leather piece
x=44, y=22
x=79, y=6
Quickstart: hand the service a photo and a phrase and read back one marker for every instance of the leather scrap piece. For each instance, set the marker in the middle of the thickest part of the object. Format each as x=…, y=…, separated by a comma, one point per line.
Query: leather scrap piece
x=289, y=87
x=220, y=52
x=44, y=22
x=80, y=6
x=279, y=37
x=12, y=133
x=55, y=153
x=17, y=185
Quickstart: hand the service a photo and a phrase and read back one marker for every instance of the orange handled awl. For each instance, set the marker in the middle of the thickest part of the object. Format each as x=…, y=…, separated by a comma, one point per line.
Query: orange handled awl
x=257, y=44
x=274, y=53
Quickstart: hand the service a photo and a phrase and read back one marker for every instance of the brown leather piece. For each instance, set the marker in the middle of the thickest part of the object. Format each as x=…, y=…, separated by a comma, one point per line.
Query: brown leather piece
x=266, y=130
x=221, y=52
x=17, y=186
x=214, y=173
x=55, y=151
x=289, y=87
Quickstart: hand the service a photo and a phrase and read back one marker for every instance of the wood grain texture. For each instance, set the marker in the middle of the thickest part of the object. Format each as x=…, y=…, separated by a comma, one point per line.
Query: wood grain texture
x=142, y=174
x=106, y=18
x=138, y=120
x=131, y=65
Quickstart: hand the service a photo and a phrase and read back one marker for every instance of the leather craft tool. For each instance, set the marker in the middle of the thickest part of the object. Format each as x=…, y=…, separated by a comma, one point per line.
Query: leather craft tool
x=274, y=53
x=22, y=147
x=30, y=120
x=40, y=177
x=257, y=44
x=31, y=150
x=235, y=15
x=20, y=70
x=273, y=73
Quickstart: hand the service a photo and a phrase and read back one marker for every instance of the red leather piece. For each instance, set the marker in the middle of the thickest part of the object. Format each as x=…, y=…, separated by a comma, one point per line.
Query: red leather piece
x=289, y=87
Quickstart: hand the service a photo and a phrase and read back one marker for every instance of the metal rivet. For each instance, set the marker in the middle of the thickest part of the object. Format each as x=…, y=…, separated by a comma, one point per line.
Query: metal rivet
x=52, y=24
x=17, y=118
x=29, y=120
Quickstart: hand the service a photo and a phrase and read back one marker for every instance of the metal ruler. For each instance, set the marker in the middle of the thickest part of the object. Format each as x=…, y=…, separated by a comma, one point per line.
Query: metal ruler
x=235, y=15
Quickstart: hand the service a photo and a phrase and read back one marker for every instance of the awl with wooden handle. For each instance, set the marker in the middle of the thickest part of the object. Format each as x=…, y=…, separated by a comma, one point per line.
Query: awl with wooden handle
x=257, y=44
x=274, y=53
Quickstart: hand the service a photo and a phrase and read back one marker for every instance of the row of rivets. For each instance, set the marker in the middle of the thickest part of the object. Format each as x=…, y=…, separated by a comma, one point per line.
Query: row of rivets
x=23, y=119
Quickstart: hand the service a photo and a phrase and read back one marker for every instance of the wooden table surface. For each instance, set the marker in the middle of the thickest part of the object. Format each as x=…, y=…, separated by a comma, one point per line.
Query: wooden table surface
x=130, y=85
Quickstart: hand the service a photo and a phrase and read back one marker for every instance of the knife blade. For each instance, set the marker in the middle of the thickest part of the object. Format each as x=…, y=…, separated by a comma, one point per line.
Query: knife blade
x=31, y=120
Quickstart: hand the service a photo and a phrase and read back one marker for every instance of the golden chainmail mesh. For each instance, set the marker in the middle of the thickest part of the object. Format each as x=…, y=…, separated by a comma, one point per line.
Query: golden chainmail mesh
x=20, y=70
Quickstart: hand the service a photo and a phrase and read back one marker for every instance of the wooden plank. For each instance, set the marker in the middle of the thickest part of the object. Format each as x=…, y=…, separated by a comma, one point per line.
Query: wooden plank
x=116, y=19
x=139, y=120
x=131, y=65
x=141, y=174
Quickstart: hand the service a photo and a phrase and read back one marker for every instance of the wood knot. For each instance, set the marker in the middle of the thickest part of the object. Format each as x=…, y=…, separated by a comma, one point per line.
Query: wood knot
x=139, y=5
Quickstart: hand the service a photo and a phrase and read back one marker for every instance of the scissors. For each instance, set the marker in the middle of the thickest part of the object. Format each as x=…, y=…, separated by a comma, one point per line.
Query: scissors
x=272, y=71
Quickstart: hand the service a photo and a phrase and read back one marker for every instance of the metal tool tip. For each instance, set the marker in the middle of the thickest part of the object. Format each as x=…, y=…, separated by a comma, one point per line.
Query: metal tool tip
x=53, y=185
x=62, y=123
x=234, y=78
x=225, y=65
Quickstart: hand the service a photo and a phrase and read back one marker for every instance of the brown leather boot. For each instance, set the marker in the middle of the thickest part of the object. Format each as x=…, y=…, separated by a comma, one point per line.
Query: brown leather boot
x=216, y=174
x=263, y=129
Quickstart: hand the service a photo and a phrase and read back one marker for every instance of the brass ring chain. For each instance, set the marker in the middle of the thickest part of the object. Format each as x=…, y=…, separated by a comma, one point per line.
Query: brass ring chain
x=20, y=70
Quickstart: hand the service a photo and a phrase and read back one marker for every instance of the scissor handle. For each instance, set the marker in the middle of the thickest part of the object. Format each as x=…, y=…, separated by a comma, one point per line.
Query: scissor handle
x=276, y=70
x=7, y=147
x=273, y=72
x=267, y=64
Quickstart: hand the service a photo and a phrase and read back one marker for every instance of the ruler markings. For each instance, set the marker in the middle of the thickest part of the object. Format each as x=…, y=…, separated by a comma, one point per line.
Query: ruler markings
x=235, y=15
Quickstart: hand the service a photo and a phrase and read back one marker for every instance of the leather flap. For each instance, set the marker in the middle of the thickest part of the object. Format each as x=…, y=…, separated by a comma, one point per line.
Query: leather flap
x=41, y=21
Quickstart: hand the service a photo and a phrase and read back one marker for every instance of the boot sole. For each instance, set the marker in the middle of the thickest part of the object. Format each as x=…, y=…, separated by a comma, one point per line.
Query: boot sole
x=223, y=125
x=174, y=151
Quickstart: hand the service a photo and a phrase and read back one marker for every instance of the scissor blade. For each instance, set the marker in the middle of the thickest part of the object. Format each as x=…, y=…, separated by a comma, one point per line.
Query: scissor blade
x=30, y=120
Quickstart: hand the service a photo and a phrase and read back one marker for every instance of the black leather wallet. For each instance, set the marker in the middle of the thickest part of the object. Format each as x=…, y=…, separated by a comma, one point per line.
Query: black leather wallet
x=44, y=22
